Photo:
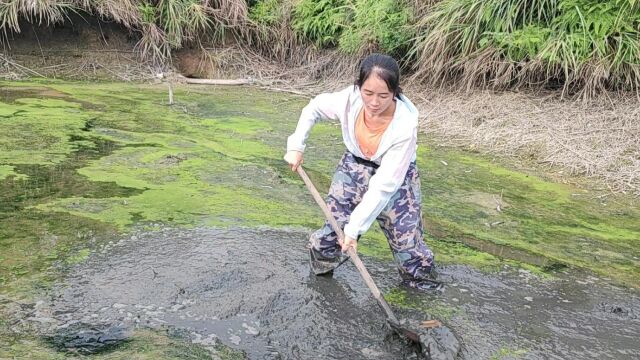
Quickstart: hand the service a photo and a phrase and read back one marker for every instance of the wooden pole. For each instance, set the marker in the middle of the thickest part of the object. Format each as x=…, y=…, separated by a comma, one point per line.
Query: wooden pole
x=353, y=255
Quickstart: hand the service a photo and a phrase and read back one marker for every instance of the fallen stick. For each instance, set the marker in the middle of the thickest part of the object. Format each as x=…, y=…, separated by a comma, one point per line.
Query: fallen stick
x=219, y=81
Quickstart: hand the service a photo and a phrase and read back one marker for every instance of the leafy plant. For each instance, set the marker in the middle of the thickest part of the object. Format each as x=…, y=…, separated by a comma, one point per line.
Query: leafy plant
x=320, y=21
x=382, y=23
x=266, y=12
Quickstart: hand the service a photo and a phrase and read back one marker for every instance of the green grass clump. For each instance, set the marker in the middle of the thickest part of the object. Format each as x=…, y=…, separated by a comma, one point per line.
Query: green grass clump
x=320, y=22
x=267, y=12
x=382, y=24
x=587, y=46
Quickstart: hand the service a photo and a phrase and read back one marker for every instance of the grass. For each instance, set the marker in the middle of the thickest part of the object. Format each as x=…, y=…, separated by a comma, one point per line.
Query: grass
x=587, y=46
x=584, y=47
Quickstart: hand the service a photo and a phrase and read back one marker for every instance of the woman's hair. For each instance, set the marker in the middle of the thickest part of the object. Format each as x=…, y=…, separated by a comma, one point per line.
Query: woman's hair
x=385, y=67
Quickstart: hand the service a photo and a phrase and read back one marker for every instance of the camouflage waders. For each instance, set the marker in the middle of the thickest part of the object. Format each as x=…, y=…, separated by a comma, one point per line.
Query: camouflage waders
x=400, y=220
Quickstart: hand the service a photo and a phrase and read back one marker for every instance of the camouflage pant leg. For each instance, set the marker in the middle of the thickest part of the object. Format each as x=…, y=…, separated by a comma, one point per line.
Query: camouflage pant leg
x=349, y=182
x=401, y=222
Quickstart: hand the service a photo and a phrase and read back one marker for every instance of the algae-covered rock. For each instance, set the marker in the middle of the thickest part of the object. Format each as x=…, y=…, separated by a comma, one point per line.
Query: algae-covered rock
x=89, y=338
x=437, y=342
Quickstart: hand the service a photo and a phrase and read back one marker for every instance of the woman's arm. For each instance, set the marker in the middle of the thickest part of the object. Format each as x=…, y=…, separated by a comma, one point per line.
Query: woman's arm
x=386, y=181
x=332, y=106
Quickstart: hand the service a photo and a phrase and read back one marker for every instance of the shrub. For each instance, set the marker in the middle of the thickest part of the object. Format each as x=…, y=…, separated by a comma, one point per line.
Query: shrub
x=384, y=24
x=587, y=45
x=320, y=21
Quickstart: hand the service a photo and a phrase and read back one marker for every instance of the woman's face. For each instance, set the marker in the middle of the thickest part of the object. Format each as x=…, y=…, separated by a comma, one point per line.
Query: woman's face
x=376, y=95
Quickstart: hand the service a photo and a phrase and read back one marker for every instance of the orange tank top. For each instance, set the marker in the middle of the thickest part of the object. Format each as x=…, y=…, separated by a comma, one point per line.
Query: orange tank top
x=367, y=135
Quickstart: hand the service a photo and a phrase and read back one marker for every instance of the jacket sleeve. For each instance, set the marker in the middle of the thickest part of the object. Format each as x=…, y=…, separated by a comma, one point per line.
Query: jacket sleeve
x=386, y=181
x=330, y=106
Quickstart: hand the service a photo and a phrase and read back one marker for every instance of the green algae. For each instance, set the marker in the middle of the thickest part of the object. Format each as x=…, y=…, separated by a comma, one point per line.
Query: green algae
x=506, y=352
x=215, y=158
x=404, y=299
x=527, y=214
x=143, y=345
x=37, y=130
x=31, y=241
x=8, y=171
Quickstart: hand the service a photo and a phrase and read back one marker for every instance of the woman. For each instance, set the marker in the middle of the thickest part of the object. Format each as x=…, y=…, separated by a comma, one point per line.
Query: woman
x=377, y=176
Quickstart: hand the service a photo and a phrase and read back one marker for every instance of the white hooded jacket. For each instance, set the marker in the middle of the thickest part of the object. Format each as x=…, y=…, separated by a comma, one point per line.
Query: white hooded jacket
x=396, y=151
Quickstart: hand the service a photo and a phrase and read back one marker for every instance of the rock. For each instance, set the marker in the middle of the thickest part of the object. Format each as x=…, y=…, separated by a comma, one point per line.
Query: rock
x=235, y=339
x=250, y=329
x=177, y=307
x=89, y=339
x=43, y=320
x=439, y=344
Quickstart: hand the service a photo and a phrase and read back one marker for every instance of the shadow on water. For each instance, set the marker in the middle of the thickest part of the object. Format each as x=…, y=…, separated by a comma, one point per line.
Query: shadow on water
x=252, y=290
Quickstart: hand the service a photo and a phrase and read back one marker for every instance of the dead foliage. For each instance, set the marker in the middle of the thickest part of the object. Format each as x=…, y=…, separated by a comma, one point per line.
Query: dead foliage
x=600, y=139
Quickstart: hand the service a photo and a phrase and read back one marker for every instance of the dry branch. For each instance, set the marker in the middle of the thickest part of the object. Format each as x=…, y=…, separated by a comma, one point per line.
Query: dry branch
x=220, y=81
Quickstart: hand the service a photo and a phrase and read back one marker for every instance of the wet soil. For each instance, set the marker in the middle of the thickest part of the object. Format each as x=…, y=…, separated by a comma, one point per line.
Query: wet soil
x=251, y=289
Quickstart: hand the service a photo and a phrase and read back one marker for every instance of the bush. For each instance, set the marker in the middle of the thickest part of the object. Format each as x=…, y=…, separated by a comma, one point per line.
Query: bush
x=384, y=24
x=320, y=21
x=587, y=45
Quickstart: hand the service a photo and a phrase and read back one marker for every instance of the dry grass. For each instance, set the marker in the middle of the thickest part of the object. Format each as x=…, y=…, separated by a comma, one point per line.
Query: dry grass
x=105, y=65
x=277, y=41
x=124, y=12
x=600, y=139
x=321, y=70
x=152, y=44
x=230, y=12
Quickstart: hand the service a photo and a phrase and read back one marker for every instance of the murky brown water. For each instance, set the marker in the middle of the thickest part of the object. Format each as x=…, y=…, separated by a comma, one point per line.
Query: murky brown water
x=252, y=290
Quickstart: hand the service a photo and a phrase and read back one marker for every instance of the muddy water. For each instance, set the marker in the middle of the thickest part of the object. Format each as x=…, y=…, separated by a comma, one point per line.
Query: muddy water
x=252, y=290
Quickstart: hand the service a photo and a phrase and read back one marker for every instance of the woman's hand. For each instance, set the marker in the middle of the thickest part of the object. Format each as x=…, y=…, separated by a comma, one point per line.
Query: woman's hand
x=294, y=159
x=349, y=242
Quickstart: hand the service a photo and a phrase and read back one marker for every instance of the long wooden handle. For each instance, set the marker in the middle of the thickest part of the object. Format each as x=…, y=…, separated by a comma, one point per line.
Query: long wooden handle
x=353, y=255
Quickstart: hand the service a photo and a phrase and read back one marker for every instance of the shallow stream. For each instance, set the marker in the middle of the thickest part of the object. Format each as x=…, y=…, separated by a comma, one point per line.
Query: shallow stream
x=252, y=290
x=139, y=228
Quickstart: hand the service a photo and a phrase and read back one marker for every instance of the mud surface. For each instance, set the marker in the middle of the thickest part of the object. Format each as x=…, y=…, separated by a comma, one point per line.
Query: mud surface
x=252, y=290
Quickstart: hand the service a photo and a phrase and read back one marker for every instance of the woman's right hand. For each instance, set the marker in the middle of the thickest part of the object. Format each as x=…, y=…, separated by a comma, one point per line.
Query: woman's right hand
x=294, y=159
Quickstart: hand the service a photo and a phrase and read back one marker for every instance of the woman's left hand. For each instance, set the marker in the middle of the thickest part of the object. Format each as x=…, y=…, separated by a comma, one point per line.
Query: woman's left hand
x=349, y=242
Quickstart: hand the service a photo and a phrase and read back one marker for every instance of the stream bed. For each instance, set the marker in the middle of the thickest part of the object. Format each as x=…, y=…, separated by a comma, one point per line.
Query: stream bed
x=130, y=228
